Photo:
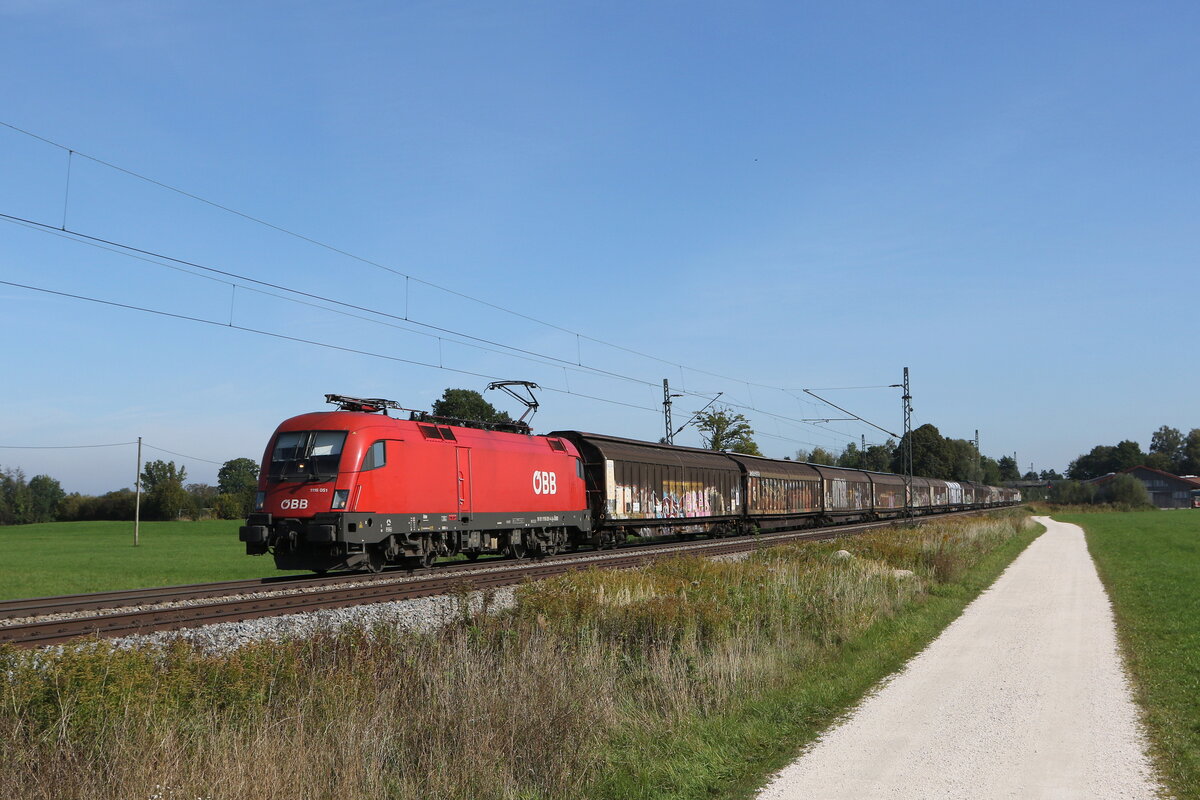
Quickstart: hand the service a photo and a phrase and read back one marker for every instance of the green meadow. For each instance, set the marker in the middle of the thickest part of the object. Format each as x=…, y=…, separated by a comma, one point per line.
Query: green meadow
x=1150, y=564
x=73, y=557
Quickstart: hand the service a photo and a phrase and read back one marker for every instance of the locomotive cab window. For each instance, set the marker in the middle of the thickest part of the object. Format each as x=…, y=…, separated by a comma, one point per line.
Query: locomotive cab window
x=376, y=456
x=306, y=456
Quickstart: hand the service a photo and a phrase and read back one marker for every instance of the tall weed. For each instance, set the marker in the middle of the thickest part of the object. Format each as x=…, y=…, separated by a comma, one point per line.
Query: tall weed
x=523, y=703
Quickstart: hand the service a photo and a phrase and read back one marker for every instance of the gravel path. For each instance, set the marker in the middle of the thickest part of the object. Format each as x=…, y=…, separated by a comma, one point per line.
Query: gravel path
x=1023, y=696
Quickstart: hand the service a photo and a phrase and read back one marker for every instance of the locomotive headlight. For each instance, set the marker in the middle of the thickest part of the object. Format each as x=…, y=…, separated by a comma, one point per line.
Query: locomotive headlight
x=340, y=497
x=260, y=499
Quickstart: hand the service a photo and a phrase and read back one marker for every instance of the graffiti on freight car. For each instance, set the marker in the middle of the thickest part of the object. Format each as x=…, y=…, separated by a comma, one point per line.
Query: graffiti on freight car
x=675, y=499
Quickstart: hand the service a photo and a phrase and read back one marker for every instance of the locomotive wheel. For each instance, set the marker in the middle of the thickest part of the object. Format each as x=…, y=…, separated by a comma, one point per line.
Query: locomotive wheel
x=428, y=559
x=471, y=555
x=375, y=561
x=516, y=550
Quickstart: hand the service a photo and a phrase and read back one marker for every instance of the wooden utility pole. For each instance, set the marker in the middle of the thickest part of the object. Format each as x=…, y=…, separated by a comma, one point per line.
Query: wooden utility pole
x=137, y=503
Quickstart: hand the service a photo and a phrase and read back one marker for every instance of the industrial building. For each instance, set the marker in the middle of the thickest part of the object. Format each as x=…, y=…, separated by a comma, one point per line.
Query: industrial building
x=1166, y=490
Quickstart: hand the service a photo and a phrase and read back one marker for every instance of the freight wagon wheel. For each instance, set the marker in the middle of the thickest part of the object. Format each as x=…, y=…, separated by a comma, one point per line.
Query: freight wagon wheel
x=471, y=554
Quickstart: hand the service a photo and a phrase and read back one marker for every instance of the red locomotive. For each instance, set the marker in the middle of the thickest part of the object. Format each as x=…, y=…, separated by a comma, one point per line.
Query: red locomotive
x=357, y=489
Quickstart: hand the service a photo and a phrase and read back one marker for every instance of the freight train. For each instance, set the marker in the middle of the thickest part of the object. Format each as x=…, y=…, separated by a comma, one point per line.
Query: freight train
x=358, y=489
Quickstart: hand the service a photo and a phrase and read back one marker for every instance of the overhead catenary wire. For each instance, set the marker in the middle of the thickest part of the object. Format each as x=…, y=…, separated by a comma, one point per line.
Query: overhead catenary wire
x=153, y=257
x=276, y=335
x=751, y=406
x=315, y=343
x=347, y=254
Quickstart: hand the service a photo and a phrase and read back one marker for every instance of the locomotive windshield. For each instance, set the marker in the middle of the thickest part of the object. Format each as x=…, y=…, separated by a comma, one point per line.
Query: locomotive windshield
x=306, y=456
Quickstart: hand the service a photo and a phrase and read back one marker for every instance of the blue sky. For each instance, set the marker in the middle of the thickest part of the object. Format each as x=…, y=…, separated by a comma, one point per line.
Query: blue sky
x=1001, y=197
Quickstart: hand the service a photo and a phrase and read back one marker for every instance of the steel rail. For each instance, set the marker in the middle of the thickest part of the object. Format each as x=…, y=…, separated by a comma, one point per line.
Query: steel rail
x=386, y=588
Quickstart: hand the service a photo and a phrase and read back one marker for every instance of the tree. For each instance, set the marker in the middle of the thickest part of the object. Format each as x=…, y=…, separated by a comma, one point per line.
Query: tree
x=238, y=475
x=1191, y=453
x=989, y=471
x=165, y=497
x=467, y=404
x=1009, y=471
x=1092, y=464
x=15, y=500
x=1128, y=454
x=725, y=430
x=202, y=494
x=930, y=456
x=1072, y=493
x=157, y=473
x=963, y=460
x=851, y=457
x=45, y=494
x=1167, y=449
x=237, y=483
x=820, y=455
x=1124, y=490
x=878, y=457
x=1029, y=476
x=1050, y=475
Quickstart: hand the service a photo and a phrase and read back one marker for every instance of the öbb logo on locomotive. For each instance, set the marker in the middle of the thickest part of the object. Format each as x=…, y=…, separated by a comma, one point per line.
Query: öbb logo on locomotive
x=382, y=490
x=545, y=482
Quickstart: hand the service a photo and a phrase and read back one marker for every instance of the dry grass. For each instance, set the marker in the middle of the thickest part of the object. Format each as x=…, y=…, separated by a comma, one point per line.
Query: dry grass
x=523, y=704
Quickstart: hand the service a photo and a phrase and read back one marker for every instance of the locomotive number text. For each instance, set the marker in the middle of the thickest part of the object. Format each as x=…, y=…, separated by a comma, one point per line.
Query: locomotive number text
x=293, y=502
x=545, y=482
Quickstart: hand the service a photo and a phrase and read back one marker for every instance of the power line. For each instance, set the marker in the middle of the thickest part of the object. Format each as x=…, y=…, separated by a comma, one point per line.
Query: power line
x=150, y=256
x=62, y=446
x=356, y=351
x=517, y=352
x=182, y=455
x=331, y=248
x=300, y=340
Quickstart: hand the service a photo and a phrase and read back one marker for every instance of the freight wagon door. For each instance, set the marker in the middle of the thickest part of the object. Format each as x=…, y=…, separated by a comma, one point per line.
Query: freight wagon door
x=462, y=457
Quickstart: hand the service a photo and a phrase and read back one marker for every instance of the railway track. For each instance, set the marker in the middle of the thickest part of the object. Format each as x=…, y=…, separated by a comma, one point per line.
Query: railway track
x=60, y=619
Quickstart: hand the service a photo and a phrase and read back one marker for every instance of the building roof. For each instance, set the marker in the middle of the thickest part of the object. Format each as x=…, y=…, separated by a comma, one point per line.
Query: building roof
x=1191, y=482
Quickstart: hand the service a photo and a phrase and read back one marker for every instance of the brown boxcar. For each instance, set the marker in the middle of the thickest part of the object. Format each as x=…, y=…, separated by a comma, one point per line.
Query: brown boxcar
x=888, y=490
x=640, y=486
x=847, y=491
x=941, y=493
x=779, y=492
x=922, y=498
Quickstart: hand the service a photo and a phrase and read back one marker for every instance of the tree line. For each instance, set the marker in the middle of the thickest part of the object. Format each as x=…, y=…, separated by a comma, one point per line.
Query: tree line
x=1170, y=451
x=166, y=495
x=933, y=455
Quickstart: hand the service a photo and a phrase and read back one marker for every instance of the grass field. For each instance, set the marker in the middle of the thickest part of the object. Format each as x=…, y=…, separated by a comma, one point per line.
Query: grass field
x=689, y=679
x=72, y=557
x=1150, y=564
